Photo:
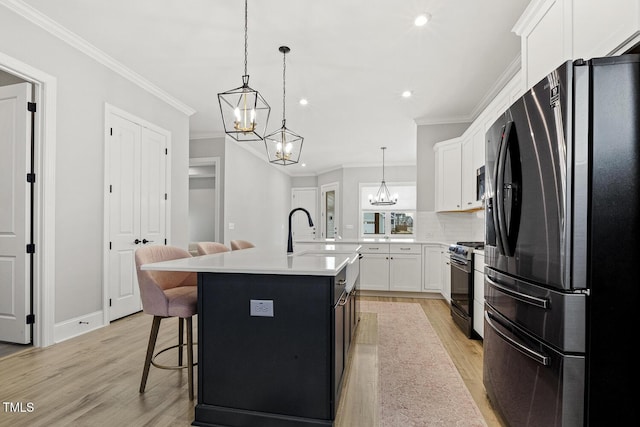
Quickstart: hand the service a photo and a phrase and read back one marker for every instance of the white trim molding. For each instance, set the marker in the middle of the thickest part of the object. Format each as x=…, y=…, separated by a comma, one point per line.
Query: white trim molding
x=38, y=18
x=77, y=326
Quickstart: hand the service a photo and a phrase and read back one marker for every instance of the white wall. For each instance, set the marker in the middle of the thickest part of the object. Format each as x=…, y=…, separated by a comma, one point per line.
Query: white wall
x=83, y=87
x=257, y=199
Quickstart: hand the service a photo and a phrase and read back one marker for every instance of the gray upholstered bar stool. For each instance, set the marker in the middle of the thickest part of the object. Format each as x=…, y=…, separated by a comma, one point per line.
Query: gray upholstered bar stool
x=205, y=248
x=241, y=244
x=167, y=294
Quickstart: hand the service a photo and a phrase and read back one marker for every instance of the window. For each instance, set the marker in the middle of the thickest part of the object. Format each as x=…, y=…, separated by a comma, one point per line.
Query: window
x=388, y=221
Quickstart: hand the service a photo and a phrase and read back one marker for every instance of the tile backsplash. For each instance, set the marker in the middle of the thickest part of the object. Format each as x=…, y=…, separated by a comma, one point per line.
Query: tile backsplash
x=450, y=226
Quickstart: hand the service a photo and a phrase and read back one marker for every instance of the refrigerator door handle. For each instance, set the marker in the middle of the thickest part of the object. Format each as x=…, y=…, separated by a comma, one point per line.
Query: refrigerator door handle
x=498, y=181
x=527, y=299
x=539, y=358
x=508, y=146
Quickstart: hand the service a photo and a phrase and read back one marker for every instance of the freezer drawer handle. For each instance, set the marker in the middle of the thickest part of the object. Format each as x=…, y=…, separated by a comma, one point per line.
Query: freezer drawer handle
x=528, y=299
x=540, y=358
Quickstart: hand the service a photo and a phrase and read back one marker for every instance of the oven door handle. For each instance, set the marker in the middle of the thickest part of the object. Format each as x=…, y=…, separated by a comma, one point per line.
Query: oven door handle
x=457, y=262
x=540, y=358
x=527, y=299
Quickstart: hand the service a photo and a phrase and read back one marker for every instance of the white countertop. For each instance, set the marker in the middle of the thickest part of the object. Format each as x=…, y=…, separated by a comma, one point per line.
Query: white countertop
x=320, y=260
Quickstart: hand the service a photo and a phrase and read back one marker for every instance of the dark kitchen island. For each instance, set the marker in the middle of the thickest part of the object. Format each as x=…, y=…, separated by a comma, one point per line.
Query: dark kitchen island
x=273, y=334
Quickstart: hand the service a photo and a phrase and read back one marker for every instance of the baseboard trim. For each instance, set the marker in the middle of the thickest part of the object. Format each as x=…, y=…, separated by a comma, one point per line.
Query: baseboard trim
x=77, y=326
x=398, y=294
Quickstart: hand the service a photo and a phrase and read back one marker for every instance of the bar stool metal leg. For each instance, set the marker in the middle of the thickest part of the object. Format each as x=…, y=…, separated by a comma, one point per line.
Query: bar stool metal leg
x=155, y=327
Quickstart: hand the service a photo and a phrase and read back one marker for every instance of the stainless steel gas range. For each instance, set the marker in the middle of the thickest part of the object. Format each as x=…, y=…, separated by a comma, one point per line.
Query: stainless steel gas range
x=462, y=285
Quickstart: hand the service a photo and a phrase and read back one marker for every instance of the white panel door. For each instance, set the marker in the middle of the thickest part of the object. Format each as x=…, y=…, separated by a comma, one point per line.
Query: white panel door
x=15, y=196
x=304, y=198
x=124, y=216
x=153, y=187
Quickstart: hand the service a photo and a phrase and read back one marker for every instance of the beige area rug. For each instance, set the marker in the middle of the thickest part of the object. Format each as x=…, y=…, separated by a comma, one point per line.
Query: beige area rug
x=418, y=383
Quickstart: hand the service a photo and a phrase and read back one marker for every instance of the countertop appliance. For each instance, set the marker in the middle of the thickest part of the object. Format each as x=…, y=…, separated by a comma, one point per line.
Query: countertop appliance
x=562, y=220
x=461, y=256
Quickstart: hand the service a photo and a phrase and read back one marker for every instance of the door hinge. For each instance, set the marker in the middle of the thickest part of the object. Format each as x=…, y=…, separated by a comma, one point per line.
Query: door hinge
x=166, y=151
x=110, y=188
x=109, y=245
x=165, y=241
x=31, y=106
x=31, y=248
x=165, y=196
x=31, y=177
x=111, y=131
x=31, y=319
x=109, y=302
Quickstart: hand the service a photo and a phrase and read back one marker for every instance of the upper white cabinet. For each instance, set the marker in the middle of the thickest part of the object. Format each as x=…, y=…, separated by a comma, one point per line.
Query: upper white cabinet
x=603, y=27
x=448, y=175
x=554, y=31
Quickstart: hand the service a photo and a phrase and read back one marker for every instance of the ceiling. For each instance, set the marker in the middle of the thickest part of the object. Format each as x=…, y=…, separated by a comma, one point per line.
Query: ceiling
x=351, y=59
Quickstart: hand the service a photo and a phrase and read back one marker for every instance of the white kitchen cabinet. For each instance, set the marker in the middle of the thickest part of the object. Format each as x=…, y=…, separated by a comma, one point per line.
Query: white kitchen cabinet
x=600, y=28
x=391, y=267
x=431, y=274
x=478, y=294
x=448, y=175
x=468, y=172
x=374, y=271
x=405, y=272
x=445, y=270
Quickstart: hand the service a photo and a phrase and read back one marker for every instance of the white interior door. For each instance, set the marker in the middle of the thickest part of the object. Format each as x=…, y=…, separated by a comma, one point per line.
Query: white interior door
x=137, y=207
x=15, y=205
x=304, y=198
x=330, y=211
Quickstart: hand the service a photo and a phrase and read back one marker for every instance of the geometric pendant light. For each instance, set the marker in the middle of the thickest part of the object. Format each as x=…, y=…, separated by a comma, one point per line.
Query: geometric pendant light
x=245, y=113
x=283, y=146
x=383, y=197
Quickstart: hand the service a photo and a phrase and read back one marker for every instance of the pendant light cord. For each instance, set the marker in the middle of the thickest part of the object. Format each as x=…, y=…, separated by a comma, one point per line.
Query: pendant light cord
x=383, y=148
x=284, y=90
x=246, y=37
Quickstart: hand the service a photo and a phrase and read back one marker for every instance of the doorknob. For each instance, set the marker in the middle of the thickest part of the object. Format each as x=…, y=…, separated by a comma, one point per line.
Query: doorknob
x=145, y=241
x=137, y=241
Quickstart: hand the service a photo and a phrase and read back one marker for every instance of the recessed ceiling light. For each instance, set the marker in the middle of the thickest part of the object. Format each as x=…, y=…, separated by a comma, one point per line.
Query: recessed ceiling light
x=304, y=101
x=406, y=94
x=304, y=164
x=422, y=19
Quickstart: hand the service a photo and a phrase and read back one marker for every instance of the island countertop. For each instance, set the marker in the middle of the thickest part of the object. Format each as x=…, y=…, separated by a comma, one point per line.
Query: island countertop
x=319, y=260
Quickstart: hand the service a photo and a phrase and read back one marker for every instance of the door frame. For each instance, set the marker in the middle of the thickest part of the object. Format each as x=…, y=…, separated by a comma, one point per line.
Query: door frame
x=108, y=111
x=45, y=95
x=313, y=214
x=323, y=209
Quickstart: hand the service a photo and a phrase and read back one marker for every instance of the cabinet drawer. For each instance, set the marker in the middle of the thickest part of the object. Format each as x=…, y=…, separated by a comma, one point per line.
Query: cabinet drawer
x=405, y=249
x=374, y=248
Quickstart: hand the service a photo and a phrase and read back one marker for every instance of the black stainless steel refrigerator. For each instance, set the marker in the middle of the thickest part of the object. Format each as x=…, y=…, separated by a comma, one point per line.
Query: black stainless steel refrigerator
x=562, y=249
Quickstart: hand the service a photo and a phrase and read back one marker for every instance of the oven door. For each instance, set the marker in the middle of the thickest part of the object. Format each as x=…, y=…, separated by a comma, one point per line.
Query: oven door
x=528, y=382
x=461, y=286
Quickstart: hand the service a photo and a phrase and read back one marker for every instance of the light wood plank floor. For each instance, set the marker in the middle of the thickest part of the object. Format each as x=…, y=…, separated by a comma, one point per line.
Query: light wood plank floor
x=93, y=380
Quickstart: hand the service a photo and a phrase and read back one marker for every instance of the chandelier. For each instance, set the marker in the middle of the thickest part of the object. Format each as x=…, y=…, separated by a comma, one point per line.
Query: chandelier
x=383, y=197
x=283, y=145
x=245, y=113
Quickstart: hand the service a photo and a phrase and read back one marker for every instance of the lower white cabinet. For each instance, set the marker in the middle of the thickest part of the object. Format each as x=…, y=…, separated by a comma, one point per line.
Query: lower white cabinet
x=445, y=262
x=391, y=267
x=374, y=272
x=405, y=272
x=478, y=294
x=431, y=269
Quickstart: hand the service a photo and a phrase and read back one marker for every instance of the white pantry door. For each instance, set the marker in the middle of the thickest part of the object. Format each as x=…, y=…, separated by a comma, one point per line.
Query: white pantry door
x=137, y=186
x=15, y=205
x=304, y=198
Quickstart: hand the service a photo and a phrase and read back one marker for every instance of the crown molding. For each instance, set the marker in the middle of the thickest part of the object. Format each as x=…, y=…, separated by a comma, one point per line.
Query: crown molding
x=532, y=16
x=507, y=75
x=41, y=20
x=205, y=135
